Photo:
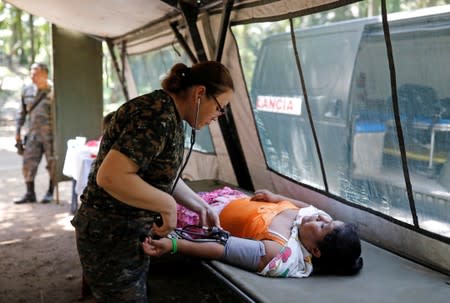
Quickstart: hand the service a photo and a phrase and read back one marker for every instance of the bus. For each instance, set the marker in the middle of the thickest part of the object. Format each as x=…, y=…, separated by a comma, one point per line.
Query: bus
x=346, y=75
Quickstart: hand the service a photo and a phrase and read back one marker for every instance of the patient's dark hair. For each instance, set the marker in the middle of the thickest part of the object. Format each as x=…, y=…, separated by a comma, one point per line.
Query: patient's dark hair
x=212, y=74
x=340, y=252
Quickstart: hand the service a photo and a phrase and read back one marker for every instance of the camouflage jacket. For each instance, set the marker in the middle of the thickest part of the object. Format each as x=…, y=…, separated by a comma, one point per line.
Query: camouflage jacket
x=36, y=119
x=149, y=131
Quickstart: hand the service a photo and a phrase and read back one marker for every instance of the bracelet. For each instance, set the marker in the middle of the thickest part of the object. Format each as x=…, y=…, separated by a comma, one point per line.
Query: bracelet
x=174, y=246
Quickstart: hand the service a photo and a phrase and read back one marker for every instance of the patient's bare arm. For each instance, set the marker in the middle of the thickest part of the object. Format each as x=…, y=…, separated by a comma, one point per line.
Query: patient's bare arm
x=206, y=250
x=264, y=195
x=216, y=251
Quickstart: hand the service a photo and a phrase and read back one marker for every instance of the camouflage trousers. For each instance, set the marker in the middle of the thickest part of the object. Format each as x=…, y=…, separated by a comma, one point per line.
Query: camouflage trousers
x=32, y=156
x=114, y=264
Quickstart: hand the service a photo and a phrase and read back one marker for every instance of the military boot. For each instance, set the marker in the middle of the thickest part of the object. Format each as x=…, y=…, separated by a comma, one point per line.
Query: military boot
x=29, y=197
x=49, y=195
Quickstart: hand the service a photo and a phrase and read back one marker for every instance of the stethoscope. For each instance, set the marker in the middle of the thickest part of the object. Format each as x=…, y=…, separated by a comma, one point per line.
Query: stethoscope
x=193, y=133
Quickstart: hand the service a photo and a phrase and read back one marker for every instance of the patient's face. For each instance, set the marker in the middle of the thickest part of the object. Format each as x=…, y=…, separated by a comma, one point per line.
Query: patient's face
x=313, y=229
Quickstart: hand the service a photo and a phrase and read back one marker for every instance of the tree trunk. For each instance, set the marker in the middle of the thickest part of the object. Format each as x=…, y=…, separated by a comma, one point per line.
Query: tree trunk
x=31, y=24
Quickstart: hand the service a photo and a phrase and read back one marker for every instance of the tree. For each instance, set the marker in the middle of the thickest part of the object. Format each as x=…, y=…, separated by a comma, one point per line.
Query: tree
x=25, y=38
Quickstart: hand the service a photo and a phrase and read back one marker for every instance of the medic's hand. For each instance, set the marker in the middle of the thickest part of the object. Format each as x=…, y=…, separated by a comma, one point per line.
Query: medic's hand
x=208, y=217
x=164, y=226
x=264, y=195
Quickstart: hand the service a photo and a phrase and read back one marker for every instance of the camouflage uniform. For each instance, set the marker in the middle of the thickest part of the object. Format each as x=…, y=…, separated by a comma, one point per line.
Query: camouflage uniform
x=39, y=137
x=149, y=131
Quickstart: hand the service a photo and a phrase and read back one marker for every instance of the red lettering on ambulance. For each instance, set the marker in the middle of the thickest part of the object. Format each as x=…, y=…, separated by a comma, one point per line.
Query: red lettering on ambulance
x=278, y=104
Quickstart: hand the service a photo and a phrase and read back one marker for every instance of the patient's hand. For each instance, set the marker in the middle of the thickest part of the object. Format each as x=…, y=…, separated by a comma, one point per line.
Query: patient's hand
x=156, y=248
x=264, y=195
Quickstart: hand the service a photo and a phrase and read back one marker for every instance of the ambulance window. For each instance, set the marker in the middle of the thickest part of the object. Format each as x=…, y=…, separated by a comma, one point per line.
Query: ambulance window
x=347, y=80
x=277, y=102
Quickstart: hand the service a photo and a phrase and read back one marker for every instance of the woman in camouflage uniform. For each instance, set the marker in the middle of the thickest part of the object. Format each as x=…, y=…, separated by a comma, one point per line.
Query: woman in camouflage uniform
x=132, y=178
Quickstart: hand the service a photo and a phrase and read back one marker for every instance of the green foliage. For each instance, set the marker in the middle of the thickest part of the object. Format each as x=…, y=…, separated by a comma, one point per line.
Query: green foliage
x=113, y=95
x=24, y=38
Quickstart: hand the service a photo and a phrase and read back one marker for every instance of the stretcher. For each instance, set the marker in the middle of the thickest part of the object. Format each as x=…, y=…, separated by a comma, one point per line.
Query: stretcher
x=385, y=278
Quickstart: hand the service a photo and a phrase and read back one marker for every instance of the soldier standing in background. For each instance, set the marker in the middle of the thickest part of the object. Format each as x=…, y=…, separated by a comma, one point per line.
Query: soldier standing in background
x=36, y=115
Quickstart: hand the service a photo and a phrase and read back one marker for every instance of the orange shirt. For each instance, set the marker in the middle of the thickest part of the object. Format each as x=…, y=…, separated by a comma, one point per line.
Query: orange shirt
x=251, y=219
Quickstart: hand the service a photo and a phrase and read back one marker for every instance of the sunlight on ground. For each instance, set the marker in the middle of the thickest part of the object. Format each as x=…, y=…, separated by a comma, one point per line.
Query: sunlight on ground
x=46, y=220
x=13, y=241
x=5, y=225
x=7, y=143
x=14, y=179
x=25, y=212
x=46, y=235
x=65, y=222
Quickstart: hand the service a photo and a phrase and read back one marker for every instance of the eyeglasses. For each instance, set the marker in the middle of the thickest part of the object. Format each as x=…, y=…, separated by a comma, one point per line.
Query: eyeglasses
x=220, y=109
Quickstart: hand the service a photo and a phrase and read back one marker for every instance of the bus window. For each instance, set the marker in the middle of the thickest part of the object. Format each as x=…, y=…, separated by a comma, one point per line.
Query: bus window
x=372, y=181
x=421, y=47
x=327, y=55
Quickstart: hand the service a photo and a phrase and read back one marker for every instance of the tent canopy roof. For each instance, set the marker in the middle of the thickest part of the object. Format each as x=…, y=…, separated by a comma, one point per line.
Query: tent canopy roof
x=119, y=18
x=104, y=18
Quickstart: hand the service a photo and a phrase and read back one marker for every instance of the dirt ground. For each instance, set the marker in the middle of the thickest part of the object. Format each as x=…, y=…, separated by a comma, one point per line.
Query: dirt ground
x=38, y=257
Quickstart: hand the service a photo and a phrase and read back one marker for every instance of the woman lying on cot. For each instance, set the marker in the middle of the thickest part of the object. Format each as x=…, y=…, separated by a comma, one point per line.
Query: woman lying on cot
x=275, y=236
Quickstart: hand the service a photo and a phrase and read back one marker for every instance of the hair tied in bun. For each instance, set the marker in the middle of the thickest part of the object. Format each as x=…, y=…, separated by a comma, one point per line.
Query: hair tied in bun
x=185, y=72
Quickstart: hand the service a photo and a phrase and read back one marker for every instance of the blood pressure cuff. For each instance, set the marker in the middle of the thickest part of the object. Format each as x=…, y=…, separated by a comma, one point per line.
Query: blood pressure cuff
x=244, y=253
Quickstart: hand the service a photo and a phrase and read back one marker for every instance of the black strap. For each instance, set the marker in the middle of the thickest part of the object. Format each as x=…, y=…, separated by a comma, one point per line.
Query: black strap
x=36, y=102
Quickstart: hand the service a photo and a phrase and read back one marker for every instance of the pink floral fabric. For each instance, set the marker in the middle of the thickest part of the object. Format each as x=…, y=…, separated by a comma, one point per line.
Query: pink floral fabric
x=218, y=199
